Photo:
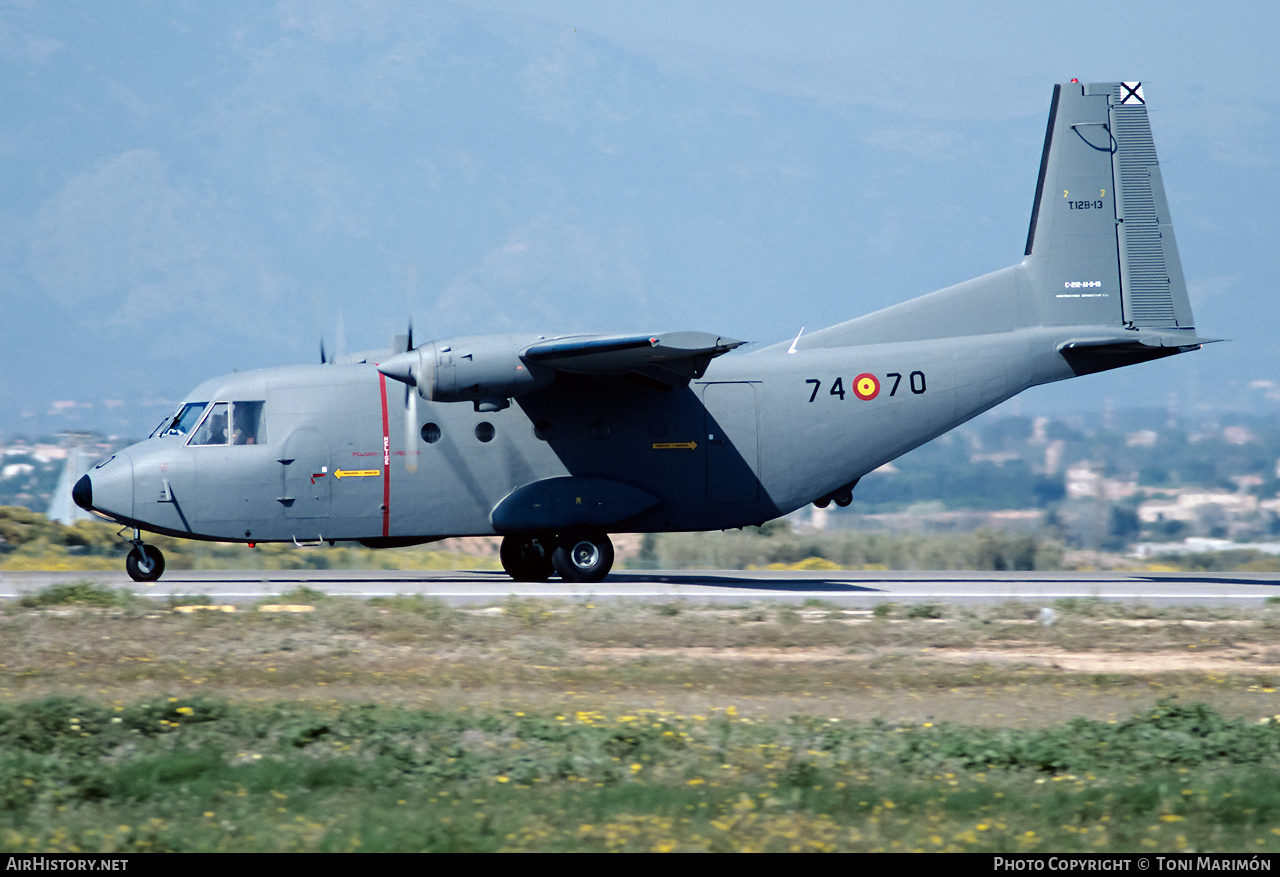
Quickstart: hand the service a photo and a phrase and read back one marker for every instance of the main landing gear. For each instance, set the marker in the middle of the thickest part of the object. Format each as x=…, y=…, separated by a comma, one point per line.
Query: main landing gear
x=145, y=563
x=842, y=496
x=580, y=556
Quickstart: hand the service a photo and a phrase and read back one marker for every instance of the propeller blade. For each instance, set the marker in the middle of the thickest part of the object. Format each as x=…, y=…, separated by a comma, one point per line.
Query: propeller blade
x=410, y=429
x=410, y=416
x=324, y=360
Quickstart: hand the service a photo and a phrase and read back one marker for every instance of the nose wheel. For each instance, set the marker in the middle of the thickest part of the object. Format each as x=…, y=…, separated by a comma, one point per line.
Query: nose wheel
x=145, y=563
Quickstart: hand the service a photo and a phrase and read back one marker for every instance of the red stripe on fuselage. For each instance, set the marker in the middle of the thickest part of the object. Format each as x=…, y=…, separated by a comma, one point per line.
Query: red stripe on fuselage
x=386, y=459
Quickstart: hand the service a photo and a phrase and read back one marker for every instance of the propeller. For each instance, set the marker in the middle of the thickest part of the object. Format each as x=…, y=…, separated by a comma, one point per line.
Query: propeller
x=410, y=417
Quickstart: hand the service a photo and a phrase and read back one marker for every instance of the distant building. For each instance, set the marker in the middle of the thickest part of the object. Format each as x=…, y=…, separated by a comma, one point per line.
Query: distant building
x=1187, y=505
x=1200, y=545
x=1084, y=481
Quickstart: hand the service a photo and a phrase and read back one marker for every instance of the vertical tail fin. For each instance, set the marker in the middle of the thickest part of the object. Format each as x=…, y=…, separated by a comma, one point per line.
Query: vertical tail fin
x=1100, y=260
x=1100, y=248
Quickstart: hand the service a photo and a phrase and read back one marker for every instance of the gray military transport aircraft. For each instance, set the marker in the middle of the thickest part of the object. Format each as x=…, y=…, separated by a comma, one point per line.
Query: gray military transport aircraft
x=646, y=433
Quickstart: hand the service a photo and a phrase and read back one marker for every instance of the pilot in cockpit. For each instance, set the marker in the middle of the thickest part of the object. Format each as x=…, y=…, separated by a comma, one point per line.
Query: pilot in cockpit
x=217, y=429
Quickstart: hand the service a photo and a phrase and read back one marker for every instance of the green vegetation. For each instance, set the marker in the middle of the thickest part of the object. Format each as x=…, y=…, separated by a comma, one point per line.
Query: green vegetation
x=81, y=593
x=1231, y=560
x=191, y=773
x=28, y=541
x=403, y=723
x=774, y=546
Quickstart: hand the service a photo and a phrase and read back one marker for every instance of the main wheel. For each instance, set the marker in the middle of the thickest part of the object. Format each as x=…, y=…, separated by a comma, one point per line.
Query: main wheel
x=583, y=557
x=145, y=563
x=526, y=558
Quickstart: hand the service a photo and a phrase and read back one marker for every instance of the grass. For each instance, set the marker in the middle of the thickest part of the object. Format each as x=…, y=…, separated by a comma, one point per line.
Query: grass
x=197, y=774
x=80, y=593
x=403, y=723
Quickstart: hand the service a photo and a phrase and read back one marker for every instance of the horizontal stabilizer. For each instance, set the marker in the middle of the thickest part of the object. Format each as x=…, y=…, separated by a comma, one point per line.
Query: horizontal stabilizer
x=1095, y=354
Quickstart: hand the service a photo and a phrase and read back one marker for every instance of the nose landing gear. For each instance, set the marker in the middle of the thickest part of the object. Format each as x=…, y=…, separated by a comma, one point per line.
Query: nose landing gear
x=145, y=563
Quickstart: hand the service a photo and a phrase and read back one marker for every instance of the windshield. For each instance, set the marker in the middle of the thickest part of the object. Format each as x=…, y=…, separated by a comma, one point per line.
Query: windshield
x=181, y=423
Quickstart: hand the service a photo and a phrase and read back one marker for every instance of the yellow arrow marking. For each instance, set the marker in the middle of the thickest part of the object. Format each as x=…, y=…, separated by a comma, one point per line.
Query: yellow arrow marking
x=667, y=446
x=356, y=473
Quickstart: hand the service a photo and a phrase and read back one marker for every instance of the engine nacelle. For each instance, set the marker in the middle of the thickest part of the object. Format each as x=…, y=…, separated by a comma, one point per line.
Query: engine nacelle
x=486, y=370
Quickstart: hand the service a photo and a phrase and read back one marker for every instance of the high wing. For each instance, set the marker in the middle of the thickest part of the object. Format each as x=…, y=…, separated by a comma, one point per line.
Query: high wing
x=672, y=358
x=489, y=370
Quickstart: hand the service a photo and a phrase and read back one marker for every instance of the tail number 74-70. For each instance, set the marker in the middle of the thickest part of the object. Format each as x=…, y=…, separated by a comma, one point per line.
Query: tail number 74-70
x=866, y=386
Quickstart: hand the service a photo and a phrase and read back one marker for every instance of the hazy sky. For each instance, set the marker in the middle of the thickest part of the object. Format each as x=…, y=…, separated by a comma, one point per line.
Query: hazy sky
x=189, y=188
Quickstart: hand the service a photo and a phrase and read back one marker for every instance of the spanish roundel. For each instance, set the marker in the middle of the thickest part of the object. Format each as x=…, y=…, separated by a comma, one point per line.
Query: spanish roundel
x=866, y=387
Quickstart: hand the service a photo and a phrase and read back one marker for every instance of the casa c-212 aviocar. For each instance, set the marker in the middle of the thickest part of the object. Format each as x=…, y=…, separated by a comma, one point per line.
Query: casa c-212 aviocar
x=553, y=442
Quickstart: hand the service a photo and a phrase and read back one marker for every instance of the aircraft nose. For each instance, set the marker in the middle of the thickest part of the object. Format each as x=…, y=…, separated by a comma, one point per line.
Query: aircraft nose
x=82, y=493
x=107, y=488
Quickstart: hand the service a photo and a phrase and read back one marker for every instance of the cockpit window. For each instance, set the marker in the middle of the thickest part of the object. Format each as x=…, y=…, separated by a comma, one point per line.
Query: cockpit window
x=182, y=422
x=247, y=422
x=213, y=431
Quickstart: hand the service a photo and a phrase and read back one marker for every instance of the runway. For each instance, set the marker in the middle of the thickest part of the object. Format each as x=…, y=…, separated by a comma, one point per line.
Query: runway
x=842, y=588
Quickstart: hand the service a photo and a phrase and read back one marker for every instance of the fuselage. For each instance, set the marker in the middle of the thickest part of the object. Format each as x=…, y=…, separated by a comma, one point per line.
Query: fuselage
x=332, y=457
x=554, y=442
